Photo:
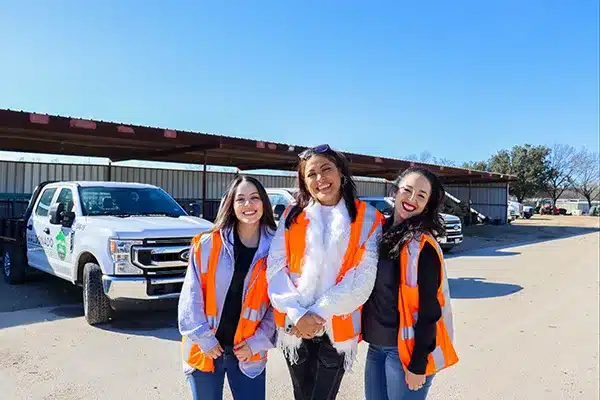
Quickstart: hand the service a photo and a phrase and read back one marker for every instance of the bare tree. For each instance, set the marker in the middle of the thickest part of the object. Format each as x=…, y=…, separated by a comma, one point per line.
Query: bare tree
x=562, y=170
x=447, y=162
x=587, y=175
x=427, y=157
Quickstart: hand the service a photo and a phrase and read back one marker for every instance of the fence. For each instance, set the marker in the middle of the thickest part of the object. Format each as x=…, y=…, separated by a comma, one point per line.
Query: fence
x=19, y=179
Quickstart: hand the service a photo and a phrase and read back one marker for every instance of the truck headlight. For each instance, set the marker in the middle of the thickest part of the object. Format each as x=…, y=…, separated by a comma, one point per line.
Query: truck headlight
x=120, y=251
x=127, y=268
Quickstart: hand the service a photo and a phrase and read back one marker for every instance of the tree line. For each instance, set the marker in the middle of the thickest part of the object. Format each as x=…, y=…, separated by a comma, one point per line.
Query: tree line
x=551, y=171
x=546, y=170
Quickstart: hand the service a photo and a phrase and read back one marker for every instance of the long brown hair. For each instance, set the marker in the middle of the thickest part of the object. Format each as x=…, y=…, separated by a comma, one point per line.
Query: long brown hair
x=303, y=196
x=429, y=221
x=226, y=218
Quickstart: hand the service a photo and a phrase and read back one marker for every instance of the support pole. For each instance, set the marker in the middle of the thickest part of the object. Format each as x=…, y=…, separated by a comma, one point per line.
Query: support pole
x=204, y=180
x=470, y=214
x=109, y=171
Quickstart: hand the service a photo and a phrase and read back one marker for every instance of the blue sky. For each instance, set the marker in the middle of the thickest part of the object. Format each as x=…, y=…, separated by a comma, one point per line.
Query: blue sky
x=459, y=79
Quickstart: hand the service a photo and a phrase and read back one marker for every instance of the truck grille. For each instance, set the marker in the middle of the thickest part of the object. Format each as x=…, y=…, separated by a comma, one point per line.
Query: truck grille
x=162, y=256
x=453, y=228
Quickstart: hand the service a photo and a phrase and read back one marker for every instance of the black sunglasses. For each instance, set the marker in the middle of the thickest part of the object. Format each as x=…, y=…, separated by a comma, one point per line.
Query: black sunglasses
x=320, y=149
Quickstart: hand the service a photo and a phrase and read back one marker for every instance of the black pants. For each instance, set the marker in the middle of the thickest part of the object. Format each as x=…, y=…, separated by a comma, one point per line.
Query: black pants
x=319, y=371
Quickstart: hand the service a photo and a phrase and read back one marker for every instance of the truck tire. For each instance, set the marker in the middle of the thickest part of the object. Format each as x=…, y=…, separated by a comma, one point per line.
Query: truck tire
x=96, y=306
x=14, y=267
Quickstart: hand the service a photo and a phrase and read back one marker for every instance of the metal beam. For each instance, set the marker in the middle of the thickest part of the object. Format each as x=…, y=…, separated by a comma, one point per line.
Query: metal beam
x=384, y=173
x=281, y=165
x=151, y=155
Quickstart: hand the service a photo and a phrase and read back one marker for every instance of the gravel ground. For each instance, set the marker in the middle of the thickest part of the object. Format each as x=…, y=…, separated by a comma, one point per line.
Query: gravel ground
x=539, y=228
x=526, y=322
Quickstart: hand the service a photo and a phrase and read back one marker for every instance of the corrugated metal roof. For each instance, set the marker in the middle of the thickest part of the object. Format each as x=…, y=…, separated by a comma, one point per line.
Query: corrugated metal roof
x=43, y=133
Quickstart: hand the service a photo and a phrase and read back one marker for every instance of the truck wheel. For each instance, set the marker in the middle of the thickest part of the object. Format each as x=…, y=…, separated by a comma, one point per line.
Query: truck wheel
x=96, y=306
x=14, y=267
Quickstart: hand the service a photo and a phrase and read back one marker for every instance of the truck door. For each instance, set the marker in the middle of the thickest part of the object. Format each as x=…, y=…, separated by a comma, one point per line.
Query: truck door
x=39, y=239
x=61, y=255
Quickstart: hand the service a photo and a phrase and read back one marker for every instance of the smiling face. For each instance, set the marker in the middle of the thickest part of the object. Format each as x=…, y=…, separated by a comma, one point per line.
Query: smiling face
x=323, y=180
x=412, y=197
x=247, y=204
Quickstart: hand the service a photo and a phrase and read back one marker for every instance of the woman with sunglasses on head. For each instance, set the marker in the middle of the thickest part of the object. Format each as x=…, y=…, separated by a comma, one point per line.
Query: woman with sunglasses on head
x=321, y=269
x=225, y=317
x=407, y=321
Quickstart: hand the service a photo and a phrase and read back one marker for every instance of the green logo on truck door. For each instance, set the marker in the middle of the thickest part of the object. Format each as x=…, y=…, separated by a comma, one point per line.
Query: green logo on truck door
x=61, y=245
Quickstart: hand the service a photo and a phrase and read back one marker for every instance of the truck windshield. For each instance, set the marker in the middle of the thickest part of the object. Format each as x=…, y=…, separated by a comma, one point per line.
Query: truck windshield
x=127, y=201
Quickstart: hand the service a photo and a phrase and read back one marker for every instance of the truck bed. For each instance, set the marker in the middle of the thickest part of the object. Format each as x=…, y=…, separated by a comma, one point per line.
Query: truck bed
x=12, y=230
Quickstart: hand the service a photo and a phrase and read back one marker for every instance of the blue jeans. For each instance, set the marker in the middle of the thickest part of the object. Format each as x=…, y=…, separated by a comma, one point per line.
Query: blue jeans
x=209, y=385
x=385, y=378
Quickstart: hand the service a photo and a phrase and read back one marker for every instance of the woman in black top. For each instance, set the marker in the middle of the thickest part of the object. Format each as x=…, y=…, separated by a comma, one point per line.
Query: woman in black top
x=418, y=195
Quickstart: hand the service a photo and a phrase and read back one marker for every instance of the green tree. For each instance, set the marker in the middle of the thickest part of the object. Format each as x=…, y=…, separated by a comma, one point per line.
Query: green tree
x=530, y=164
x=475, y=165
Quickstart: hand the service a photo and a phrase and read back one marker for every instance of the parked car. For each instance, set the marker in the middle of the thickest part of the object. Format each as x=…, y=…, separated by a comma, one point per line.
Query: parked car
x=514, y=210
x=118, y=241
x=528, y=212
x=281, y=198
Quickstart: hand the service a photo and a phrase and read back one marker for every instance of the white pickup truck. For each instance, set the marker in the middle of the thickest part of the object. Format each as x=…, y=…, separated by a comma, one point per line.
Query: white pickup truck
x=282, y=197
x=118, y=241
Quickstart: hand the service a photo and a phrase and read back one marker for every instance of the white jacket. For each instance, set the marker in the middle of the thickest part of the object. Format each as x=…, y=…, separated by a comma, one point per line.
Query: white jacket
x=191, y=316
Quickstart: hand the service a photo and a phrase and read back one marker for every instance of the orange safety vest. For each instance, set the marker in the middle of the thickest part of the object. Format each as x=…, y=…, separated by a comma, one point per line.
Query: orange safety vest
x=255, y=305
x=444, y=355
x=345, y=327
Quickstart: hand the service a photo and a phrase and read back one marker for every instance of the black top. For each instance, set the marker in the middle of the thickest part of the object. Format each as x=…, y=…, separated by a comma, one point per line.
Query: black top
x=380, y=316
x=232, y=308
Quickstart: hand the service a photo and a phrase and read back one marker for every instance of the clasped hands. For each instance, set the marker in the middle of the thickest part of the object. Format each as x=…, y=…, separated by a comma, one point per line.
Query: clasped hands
x=308, y=326
x=242, y=351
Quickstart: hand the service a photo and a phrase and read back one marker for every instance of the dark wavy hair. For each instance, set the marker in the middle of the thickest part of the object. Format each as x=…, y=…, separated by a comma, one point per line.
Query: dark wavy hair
x=303, y=196
x=226, y=218
x=429, y=221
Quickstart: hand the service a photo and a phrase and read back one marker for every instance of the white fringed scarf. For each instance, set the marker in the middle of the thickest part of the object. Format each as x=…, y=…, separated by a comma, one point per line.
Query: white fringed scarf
x=323, y=259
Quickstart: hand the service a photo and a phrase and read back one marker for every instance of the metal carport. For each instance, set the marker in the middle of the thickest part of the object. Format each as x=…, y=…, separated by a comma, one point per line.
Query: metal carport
x=52, y=134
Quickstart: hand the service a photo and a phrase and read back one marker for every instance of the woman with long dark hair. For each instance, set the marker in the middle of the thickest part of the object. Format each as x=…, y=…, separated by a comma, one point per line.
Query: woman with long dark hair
x=407, y=320
x=225, y=317
x=321, y=269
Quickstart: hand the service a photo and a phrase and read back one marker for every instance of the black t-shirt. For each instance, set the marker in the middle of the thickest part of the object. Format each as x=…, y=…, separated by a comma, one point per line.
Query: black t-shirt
x=380, y=316
x=232, y=308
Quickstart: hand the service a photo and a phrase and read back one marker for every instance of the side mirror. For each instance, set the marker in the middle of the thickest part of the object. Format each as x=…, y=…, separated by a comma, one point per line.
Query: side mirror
x=68, y=219
x=55, y=213
x=278, y=211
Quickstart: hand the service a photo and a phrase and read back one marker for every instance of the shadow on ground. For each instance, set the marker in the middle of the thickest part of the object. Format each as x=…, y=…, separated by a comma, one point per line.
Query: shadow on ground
x=160, y=321
x=41, y=298
x=479, y=288
x=482, y=252
x=46, y=298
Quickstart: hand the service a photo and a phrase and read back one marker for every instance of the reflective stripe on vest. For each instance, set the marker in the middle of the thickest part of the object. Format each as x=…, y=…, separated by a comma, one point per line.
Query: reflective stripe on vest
x=444, y=355
x=254, y=307
x=345, y=327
